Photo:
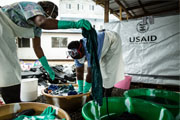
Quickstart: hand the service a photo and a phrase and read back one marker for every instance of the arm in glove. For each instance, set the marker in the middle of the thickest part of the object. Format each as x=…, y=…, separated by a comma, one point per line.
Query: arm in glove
x=71, y=24
x=46, y=66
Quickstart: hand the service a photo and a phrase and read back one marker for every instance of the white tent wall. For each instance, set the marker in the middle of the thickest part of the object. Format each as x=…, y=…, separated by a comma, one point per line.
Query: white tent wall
x=151, y=52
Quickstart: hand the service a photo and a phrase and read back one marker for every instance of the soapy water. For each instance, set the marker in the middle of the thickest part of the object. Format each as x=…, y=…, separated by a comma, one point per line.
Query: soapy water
x=96, y=111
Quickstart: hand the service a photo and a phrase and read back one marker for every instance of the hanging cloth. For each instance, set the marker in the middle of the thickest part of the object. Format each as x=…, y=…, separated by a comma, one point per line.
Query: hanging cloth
x=92, y=44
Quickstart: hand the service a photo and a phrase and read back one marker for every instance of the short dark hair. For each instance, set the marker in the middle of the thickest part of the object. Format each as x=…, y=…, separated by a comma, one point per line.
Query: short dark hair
x=74, y=45
x=47, y=5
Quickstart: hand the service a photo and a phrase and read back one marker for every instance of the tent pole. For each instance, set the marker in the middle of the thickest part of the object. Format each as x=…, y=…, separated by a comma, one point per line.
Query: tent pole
x=120, y=13
x=106, y=11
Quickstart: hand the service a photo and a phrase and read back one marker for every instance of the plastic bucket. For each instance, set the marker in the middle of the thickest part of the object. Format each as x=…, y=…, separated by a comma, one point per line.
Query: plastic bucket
x=7, y=111
x=124, y=84
x=167, y=99
x=29, y=89
x=118, y=105
x=67, y=103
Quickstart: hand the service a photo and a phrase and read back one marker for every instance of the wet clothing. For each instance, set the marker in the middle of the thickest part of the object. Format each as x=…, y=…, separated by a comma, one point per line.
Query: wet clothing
x=22, y=12
x=100, y=40
x=107, y=62
x=96, y=78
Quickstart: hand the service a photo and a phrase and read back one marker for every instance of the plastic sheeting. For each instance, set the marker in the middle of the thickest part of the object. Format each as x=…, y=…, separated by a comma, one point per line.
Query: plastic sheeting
x=150, y=49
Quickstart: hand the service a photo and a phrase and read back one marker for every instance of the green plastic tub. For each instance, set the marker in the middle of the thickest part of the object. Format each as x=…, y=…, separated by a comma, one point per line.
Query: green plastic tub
x=118, y=105
x=167, y=99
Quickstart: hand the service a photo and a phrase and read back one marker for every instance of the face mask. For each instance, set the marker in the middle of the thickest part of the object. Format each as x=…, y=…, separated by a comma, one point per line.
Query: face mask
x=82, y=60
x=75, y=53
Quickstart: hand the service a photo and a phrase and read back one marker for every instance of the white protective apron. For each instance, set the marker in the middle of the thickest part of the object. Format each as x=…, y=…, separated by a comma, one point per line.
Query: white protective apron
x=111, y=61
x=10, y=71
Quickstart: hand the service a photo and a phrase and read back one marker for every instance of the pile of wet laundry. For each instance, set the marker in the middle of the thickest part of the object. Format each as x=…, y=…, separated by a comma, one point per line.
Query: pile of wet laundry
x=64, y=90
x=63, y=74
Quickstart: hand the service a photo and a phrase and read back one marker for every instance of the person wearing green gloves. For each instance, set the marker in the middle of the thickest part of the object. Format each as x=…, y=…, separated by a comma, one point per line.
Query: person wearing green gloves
x=26, y=20
x=78, y=51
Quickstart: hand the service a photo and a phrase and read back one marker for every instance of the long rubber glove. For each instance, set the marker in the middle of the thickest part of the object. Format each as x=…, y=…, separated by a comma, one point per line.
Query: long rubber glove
x=46, y=66
x=48, y=114
x=87, y=87
x=80, y=86
x=71, y=24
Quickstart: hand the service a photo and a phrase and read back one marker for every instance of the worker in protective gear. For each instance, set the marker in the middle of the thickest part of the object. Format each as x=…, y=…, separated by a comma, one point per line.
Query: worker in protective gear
x=109, y=54
x=78, y=51
x=25, y=20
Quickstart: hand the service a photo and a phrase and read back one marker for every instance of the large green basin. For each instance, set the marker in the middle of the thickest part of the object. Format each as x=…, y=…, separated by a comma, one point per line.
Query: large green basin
x=118, y=105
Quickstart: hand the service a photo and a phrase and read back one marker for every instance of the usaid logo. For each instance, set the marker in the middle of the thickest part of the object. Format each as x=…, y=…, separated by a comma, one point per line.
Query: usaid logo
x=142, y=38
x=142, y=28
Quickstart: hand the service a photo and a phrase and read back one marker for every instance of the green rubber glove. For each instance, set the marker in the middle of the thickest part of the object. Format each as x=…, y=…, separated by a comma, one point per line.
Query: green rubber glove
x=87, y=87
x=71, y=24
x=46, y=66
x=48, y=114
x=80, y=86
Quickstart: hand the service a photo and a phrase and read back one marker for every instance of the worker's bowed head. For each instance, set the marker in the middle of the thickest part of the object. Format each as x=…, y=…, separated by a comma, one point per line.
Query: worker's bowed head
x=76, y=49
x=50, y=9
